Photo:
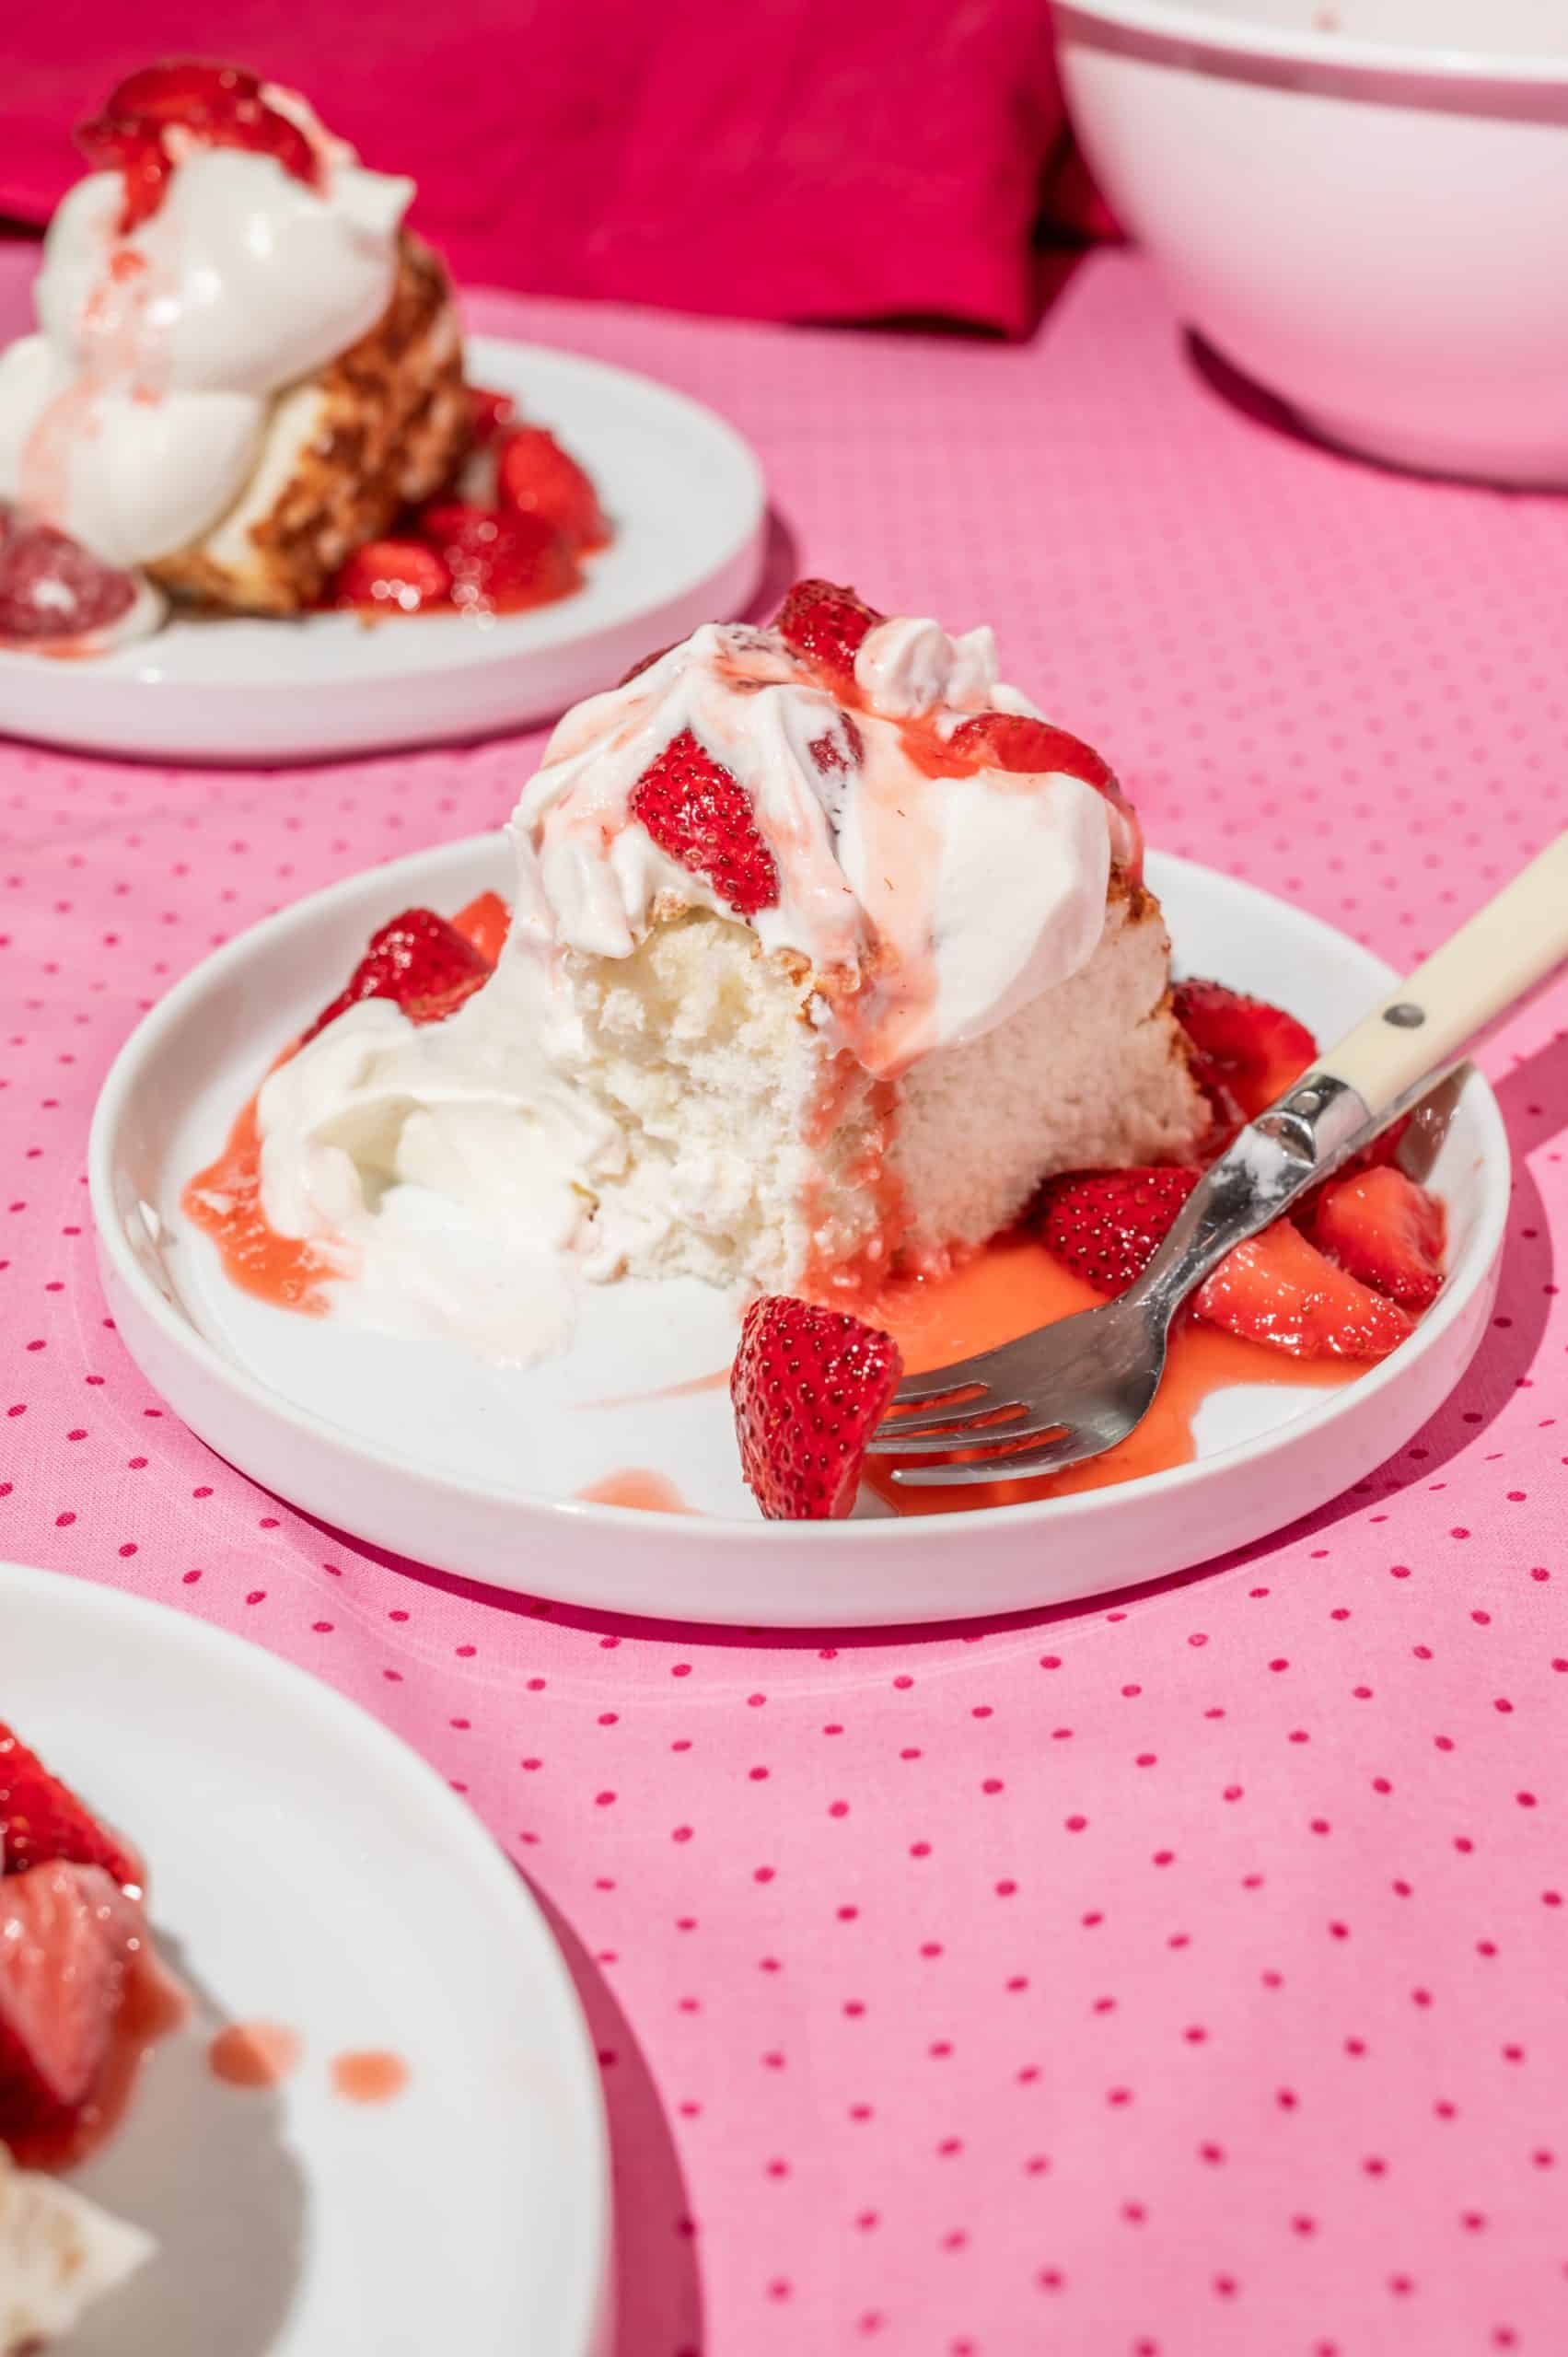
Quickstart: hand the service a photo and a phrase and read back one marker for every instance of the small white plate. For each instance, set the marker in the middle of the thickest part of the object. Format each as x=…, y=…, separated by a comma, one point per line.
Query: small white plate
x=307, y=1869
x=685, y=496
x=418, y=1448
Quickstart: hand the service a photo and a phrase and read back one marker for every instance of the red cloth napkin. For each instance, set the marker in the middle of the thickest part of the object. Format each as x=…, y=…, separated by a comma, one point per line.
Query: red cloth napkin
x=789, y=160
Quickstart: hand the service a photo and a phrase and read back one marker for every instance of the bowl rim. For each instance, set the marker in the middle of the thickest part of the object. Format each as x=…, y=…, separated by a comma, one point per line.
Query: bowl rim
x=1189, y=22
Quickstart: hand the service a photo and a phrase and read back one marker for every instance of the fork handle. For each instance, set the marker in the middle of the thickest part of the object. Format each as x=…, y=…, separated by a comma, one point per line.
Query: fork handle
x=1503, y=951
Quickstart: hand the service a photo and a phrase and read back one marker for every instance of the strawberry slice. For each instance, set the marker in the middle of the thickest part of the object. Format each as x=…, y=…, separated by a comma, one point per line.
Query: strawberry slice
x=41, y=1818
x=1382, y=1227
x=1277, y=1288
x=484, y=925
x=490, y=414
x=1108, y=1224
x=1012, y=740
x=538, y=478
x=50, y=587
x=1248, y=1051
x=499, y=564
x=809, y=1387
x=418, y=960
x=826, y=624
x=398, y=577
x=62, y=1958
x=697, y=811
x=219, y=105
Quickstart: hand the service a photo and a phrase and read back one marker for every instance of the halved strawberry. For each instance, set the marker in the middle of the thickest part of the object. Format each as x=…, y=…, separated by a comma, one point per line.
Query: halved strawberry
x=499, y=564
x=1382, y=1227
x=404, y=576
x=809, y=1387
x=538, y=478
x=418, y=960
x=484, y=925
x=1248, y=1052
x=219, y=105
x=490, y=413
x=62, y=1955
x=1277, y=1288
x=1106, y=1225
x=1012, y=740
x=696, y=811
x=826, y=624
x=51, y=587
x=41, y=1818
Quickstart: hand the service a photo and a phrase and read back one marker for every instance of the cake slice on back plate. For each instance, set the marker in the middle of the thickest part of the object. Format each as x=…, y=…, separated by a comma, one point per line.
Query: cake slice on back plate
x=826, y=949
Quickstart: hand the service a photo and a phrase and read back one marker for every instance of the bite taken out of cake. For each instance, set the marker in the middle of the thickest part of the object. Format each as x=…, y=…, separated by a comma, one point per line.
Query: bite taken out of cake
x=826, y=949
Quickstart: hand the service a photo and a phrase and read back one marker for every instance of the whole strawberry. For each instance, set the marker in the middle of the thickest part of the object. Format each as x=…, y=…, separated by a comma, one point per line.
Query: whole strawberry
x=809, y=1387
x=1106, y=1225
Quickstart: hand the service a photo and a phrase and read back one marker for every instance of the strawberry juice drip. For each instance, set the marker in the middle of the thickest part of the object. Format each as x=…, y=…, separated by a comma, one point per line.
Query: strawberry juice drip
x=1013, y=1286
x=224, y=1201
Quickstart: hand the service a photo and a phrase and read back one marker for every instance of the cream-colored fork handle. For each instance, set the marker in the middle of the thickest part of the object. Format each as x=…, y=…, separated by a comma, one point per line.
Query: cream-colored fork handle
x=1502, y=953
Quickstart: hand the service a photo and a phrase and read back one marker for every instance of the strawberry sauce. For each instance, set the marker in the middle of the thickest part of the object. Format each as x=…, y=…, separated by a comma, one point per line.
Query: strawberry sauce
x=254, y=2054
x=153, y=2004
x=1013, y=1286
x=224, y=1201
x=369, y=2077
x=636, y=1485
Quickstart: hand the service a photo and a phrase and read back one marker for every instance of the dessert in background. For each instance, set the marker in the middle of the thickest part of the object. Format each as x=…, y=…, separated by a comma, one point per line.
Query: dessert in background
x=81, y=1994
x=830, y=960
x=246, y=370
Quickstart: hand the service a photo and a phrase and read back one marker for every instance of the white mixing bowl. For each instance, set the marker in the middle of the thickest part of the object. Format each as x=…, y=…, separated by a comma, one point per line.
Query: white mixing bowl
x=1355, y=203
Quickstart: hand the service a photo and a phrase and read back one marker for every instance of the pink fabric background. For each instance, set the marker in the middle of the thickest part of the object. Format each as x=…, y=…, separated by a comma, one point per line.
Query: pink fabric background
x=1180, y=1977
x=792, y=158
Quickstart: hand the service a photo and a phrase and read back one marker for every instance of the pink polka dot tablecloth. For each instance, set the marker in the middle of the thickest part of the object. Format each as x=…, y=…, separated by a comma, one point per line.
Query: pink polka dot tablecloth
x=1177, y=1977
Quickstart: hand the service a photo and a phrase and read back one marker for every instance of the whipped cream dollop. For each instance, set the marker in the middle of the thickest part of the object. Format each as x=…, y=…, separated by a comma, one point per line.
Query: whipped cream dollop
x=456, y=1175
x=930, y=895
x=134, y=417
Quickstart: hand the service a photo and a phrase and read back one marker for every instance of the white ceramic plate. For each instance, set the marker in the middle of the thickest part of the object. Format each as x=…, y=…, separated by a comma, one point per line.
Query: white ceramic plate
x=417, y=1448
x=681, y=488
x=308, y=1869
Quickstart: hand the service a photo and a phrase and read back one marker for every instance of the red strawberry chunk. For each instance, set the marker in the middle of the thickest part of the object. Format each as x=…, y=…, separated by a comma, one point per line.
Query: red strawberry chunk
x=1106, y=1225
x=826, y=624
x=61, y=1956
x=1382, y=1227
x=499, y=564
x=400, y=576
x=41, y=1818
x=485, y=923
x=51, y=587
x=809, y=1387
x=1248, y=1051
x=491, y=413
x=1012, y=740
x=538, y=478
x=1277, y=1288
x=647, y=664
x=191, y=91
x=220, y=105
x=418, y=960
x=701, y=816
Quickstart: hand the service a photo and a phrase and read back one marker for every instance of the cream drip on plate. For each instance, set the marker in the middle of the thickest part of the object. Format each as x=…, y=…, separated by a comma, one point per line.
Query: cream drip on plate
x=134, y=417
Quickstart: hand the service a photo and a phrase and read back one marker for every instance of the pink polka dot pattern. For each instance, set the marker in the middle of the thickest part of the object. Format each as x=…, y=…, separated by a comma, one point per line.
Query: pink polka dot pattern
x=1183, y=1975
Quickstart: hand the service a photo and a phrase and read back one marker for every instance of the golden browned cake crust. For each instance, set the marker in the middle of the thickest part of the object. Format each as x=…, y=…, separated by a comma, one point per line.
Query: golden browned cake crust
x=384, y=425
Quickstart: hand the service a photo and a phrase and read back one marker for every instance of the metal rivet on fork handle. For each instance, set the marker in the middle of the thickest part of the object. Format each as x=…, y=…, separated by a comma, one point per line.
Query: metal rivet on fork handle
x=1405, y=1016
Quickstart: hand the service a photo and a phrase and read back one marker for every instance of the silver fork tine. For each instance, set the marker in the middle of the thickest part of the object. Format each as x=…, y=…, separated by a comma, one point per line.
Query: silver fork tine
x=974, y=1373
x=955, y=1424
x=1055, y=1457
x=924, y=1439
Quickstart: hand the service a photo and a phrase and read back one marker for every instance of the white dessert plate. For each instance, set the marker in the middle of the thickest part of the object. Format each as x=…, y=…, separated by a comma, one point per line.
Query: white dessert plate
x=419, y=1448
x=685, y=496
x=307, y=1870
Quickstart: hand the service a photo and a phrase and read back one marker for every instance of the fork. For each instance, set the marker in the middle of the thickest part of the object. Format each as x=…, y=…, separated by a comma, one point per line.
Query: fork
x=1071, y=1389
